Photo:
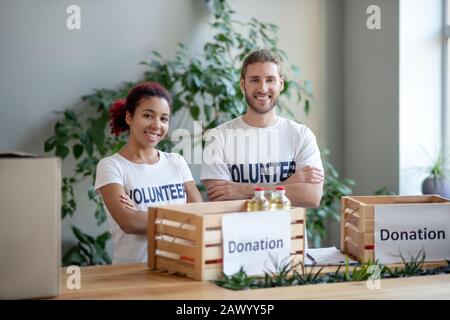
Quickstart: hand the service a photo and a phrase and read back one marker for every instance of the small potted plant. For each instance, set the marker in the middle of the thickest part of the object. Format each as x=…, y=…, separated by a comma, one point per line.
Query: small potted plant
x=438, y=179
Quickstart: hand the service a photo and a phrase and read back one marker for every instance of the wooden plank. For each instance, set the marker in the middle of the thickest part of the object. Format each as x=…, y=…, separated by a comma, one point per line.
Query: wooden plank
x=181, y=249
x=202, y=208
x=173, y=215
x=343, y=221
x=438, y=199
x=215, y=220
x=205, y=208
x=352, y=249
x=213, y=236
x=199, y=255
x=213, y=272
x=297, y=230
x=375, y=200
x=354, y=218
x=213, y=253
x=360, y=253
x=175, y=266
x=363, y=239
x=151, y=238
x=368, y=212
x=176, y=232
x=297, y=245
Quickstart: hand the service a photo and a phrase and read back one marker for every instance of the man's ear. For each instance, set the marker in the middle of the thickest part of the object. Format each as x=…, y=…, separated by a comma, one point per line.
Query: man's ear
x=281, y=82
x=128, y=118
x=241, y=84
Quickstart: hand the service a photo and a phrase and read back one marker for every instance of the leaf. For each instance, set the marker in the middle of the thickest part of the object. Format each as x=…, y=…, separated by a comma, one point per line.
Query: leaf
x=307, y=107
x=100, y=215
x=62, y=151
x=70, y=115
x=195, y=112
x=49, y=144
x=118, y=146
x=103, y=238
x=80, y=235
x=97, y=132
x=77, y=150
x=89, y=146
x=74, y=257
x=156, y=54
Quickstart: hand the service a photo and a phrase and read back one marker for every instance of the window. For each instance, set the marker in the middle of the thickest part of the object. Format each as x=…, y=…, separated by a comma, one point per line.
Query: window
x=446, y=83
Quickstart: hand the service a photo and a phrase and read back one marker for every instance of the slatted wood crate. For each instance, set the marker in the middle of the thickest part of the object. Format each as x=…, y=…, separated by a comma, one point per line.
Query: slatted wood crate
x=187, y=239
x=358, y=221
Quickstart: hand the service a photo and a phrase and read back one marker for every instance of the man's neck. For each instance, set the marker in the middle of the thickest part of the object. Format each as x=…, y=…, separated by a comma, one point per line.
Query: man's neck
x=259, y=120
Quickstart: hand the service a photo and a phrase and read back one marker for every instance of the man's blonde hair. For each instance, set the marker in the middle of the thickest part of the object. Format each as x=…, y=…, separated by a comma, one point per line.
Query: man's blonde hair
x=263, y=55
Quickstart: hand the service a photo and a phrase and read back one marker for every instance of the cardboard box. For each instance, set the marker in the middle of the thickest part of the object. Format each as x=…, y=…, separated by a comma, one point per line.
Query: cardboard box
x=187, y=239
x=30, y=241
x=358, y=221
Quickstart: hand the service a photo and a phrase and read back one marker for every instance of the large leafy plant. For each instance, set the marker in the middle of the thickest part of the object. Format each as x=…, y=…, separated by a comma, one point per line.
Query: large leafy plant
x=204, y=87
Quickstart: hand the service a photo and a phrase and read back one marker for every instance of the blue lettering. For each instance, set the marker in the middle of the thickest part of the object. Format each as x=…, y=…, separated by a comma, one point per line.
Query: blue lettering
x=146, y=200
x=151, y=194
x=165, y=190
x=256, y=168
x=137, y=192
x=180, y=190
x=235, y=176
x=159, y=194
x=243, y=180
x=284, y=171
x=292, y=167
x=173, y=191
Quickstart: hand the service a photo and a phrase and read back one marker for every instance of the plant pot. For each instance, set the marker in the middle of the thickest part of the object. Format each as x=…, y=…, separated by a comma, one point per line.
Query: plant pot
x=440, y=186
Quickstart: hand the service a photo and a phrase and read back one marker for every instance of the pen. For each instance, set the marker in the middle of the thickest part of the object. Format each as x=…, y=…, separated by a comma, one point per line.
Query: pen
x=310, y=257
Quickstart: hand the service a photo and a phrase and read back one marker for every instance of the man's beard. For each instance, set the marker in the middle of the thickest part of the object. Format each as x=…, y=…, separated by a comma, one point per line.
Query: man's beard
x=252, y=106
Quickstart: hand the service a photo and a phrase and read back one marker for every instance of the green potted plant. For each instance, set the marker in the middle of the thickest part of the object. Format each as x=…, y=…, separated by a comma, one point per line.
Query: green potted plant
x=437, y=181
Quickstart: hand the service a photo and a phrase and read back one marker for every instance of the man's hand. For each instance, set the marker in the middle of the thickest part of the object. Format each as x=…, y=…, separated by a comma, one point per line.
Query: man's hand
x=307, y=174
x=220, y=190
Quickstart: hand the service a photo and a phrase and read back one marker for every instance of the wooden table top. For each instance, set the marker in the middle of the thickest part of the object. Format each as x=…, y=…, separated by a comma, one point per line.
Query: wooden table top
x=136, y=281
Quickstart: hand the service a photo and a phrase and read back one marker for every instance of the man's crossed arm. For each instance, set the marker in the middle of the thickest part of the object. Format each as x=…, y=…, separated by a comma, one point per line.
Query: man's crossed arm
x=304, y=188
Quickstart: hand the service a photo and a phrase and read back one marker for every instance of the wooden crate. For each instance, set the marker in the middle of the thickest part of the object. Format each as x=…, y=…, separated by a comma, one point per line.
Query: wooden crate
x=358, y=221
x=187, y=239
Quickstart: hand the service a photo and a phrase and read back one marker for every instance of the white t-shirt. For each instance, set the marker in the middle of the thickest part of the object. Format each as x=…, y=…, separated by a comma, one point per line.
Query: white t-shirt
x=147, y=185
x=241, y=153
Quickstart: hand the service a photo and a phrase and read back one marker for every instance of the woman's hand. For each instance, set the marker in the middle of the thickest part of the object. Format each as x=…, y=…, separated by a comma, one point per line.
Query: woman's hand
x=125, y=199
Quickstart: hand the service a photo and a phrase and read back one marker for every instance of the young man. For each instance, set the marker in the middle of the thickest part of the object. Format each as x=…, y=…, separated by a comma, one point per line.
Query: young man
x=261, y=148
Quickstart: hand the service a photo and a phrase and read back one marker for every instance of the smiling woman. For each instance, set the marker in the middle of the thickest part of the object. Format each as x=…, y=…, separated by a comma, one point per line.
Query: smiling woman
x=126, y=179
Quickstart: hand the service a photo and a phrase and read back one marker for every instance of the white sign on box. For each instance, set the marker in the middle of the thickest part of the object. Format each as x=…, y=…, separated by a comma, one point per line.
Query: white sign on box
x=250, y=238
x=407, y=229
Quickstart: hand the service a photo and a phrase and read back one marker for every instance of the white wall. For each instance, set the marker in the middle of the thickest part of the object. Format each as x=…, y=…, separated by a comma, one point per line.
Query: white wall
x=421, y=69
x=370, y=113
x=371, y=96
x=45, y=67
